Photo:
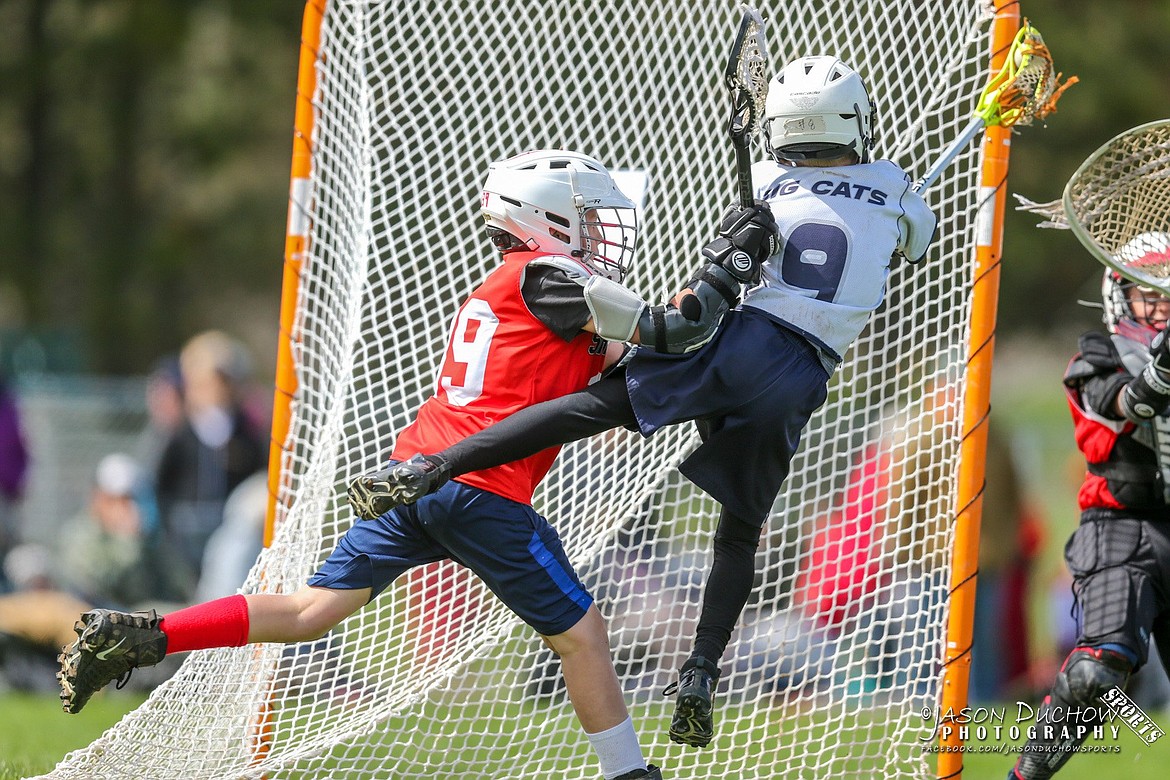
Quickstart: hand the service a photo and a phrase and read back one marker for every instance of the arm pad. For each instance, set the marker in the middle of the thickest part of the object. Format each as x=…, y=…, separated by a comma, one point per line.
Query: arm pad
x=1147, y=396
x=666, y=329
x=615, y=309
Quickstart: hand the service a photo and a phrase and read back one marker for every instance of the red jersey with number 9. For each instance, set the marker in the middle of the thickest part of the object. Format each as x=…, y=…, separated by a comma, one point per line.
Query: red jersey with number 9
x=500, y=358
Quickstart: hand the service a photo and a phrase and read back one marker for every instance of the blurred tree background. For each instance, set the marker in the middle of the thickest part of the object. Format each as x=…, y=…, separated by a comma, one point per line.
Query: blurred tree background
x=144, y=156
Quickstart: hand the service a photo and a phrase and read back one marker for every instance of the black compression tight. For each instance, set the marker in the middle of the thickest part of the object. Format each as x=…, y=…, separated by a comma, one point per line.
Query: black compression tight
x=599, y=407
x=728, y=585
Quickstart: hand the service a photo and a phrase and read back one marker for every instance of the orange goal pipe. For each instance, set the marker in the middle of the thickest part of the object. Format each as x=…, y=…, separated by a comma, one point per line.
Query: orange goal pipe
x=976, y=409
x=296, y=237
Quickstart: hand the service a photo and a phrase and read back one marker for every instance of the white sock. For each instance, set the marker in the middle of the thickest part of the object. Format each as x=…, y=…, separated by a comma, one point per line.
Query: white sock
x=617, y=749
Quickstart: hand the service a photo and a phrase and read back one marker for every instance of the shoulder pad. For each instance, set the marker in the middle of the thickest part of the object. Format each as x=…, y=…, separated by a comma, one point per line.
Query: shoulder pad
x=1097, y=356
x=574, y=269
x=895, y=170
x=1098, y=349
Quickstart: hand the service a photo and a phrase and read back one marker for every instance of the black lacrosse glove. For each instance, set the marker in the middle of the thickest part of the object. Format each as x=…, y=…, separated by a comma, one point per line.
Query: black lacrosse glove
x=1148, y=394
x=373, y=495
x=747, y=238
x=1160, y=356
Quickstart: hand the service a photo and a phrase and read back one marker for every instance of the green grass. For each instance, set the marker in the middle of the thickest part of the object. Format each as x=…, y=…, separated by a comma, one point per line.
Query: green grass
x=1134, y=760
x=35, y=734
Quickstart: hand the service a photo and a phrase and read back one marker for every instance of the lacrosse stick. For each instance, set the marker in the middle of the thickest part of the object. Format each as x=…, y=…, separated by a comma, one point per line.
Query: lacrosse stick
x=747, y=81
x=1118, y=204
x=1025, y=89
x=746, y=77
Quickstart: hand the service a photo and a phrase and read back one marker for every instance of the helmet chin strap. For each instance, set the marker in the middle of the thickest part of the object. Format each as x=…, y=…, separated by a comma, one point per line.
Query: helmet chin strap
x=864, y=141
x=504, y=241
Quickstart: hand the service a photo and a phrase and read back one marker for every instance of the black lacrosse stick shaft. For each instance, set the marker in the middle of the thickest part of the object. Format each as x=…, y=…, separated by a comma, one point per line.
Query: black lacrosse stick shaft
x=741, y=116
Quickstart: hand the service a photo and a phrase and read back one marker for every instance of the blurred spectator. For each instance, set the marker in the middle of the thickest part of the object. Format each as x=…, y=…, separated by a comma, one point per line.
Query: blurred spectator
x=104, y=562
x=13, y=470
x=164, y=407
x=235, y=545
x=38, y=611
x=104, y=558
x=215, y=448
x=36, y=620
x=870, y=569
x=842, y=568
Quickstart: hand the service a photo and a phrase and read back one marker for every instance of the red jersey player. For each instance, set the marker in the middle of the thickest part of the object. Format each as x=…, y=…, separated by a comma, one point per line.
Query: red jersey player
x=538, y=327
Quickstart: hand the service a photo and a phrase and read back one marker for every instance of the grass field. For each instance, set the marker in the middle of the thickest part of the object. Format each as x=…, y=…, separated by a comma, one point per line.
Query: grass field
x=35, y=734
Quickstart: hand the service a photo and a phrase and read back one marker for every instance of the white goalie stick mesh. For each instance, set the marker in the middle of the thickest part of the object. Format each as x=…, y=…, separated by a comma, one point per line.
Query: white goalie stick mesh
x=1118, y=204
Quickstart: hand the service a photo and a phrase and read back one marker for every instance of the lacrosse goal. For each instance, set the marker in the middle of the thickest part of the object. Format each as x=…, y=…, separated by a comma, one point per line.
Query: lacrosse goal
x=401, y=106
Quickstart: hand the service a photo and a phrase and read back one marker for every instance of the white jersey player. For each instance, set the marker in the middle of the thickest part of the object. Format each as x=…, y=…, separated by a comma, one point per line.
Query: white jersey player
x=839, y=227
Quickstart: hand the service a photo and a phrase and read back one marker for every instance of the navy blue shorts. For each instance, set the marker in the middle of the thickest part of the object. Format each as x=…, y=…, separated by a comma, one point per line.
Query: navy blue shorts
x=751, y=391
x=513, y=550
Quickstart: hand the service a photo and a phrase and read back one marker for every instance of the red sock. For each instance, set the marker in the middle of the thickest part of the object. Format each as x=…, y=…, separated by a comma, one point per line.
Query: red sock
x=219, y=623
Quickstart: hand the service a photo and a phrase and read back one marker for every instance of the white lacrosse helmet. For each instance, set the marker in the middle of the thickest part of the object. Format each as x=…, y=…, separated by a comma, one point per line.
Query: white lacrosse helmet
x=818, y=108
x=563, y=203
x=1145, y=249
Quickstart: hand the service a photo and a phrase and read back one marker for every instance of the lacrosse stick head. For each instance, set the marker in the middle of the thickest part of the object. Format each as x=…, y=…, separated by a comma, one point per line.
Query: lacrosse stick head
x=1027, y=87
x=1118, y=205
x=747, y=77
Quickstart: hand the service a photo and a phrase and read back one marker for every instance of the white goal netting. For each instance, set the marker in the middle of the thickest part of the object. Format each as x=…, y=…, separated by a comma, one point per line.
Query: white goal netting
x=841, y=646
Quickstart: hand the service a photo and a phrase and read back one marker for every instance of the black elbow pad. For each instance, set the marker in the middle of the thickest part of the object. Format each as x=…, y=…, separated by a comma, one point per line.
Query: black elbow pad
x=678, y=330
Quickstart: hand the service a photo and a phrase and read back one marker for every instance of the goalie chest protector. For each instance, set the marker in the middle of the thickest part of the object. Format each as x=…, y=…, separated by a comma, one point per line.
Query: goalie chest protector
x=500, y=358
x=1128, y=464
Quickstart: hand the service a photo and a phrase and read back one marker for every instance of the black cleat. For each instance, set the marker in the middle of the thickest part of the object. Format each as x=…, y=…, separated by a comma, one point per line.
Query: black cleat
x=651, y=772
x=373, y=495
x=109, y=645
x=693, y=722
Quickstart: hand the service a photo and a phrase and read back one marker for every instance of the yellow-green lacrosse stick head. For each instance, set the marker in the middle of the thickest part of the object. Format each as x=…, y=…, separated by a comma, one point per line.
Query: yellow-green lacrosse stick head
x=1026, y=87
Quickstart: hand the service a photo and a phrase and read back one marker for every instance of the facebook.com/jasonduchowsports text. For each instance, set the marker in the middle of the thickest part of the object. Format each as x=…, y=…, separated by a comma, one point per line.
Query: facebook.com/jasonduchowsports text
x=1027, y=729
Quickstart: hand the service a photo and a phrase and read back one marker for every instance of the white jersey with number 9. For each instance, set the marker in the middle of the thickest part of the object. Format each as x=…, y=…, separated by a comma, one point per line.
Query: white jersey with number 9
x=839, y=228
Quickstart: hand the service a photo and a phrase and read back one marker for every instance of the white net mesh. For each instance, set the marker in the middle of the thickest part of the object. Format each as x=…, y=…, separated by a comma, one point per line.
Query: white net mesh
x=840, y=647
x=1116, y=203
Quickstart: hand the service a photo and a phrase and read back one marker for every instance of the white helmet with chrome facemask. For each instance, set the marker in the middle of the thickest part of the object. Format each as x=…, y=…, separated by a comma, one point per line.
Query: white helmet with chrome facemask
x=1117, y=292
x=560, y=202
x=818, y=108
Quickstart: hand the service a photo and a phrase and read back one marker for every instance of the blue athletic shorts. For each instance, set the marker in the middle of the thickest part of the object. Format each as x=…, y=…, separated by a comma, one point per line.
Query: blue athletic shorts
x=513, y=550
x=751, y=391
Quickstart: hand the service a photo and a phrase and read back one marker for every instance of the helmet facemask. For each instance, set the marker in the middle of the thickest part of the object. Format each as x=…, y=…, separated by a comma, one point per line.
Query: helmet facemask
x=607, y=240
x=1131, y=310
